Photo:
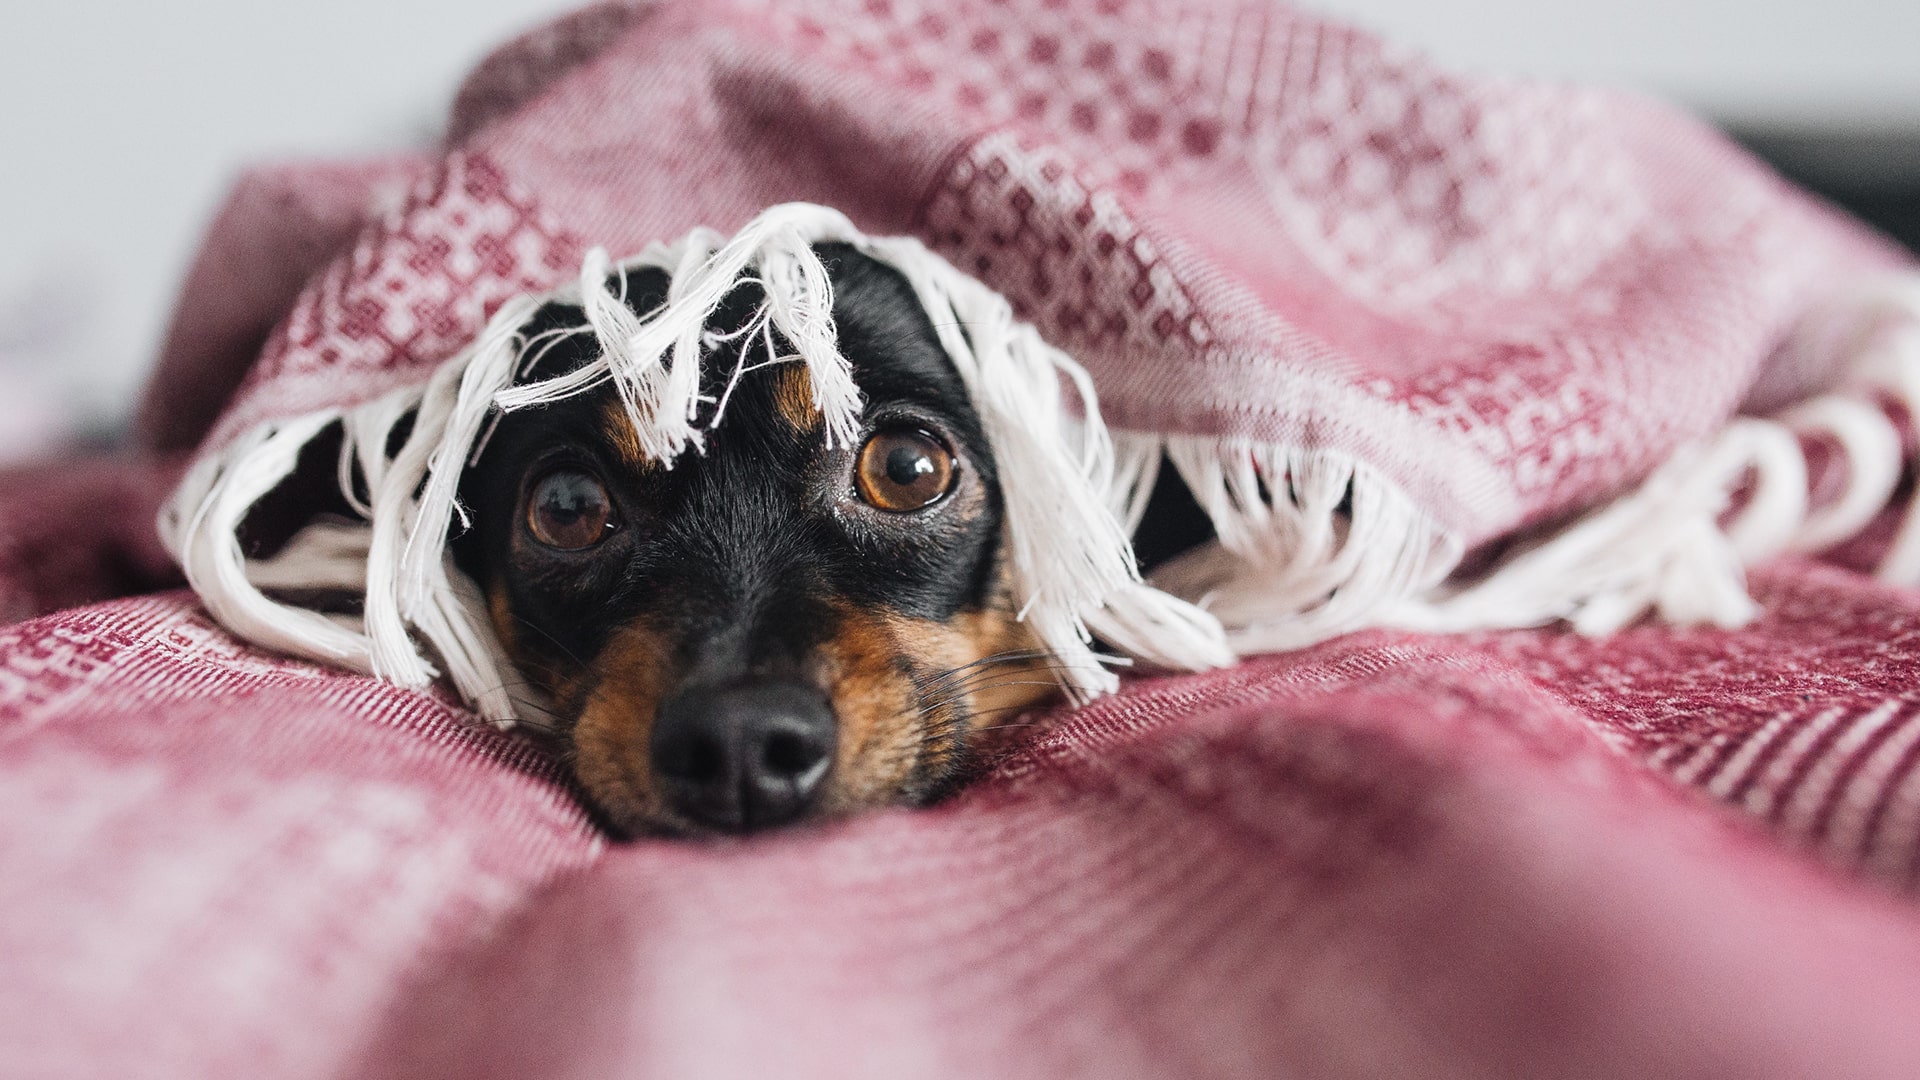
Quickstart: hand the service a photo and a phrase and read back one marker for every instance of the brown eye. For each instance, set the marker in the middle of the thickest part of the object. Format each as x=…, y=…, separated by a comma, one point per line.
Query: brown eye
x=901, y=471
x=570, y=510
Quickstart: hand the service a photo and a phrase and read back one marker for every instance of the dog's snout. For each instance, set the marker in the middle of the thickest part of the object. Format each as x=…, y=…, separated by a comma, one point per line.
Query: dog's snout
x=743, y=757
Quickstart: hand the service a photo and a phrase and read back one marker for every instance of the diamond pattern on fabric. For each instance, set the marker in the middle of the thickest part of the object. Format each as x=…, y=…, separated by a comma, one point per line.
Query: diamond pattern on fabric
x=1076, y=263
x=414, y=289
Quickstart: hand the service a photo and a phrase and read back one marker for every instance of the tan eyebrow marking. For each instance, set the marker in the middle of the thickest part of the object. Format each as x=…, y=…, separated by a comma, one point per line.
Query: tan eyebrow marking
x=793, y=398
x=617, y=427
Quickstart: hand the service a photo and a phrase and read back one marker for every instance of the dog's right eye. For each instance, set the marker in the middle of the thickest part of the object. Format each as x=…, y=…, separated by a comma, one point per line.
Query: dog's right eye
x=902, y=471
x=570, y=510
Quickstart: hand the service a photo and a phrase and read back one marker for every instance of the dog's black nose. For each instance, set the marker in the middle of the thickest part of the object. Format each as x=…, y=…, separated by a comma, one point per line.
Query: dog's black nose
x=744, y=757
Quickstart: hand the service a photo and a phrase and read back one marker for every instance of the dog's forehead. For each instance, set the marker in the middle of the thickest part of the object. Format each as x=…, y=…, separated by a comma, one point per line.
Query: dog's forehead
x=891, y=344
x=888, y=338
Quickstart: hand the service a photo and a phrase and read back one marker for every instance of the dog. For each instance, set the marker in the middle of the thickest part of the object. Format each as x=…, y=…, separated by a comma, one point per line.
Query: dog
x=765, y=631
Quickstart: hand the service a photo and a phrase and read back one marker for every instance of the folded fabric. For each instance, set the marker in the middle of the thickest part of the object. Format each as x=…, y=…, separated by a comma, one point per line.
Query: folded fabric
x=1379, y=316
x=1390, y=855
x=1364, y=306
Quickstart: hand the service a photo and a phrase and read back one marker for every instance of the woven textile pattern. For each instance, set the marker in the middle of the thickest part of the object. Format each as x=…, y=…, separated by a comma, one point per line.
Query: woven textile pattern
x=1244, y=220
x=1390, y=854
x=1672, y=852
x=414, y=288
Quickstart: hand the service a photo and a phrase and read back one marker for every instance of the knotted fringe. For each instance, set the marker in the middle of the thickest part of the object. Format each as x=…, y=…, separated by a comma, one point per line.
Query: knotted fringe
x=1292, y=566
x=1071, y=561
x=1679, y=545
x=395, y=556
x=1072, y=555
x=1311, y=543
x=655, y=359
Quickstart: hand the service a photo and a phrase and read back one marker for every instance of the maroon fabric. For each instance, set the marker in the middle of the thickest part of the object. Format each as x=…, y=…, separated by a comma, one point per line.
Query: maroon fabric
x=279, y=225
x=1385, y=856
x=1673, y=853
x=223, y=862
x=1507, y=298
x=524, y=68
x=78, y=531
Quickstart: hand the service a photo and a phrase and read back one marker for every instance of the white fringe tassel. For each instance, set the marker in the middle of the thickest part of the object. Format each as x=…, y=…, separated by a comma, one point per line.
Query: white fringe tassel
x=1071, y=560
x=1291, y=566
x=1311, y=543
x=1663, y=548
x=201, y=526
x=655, y=359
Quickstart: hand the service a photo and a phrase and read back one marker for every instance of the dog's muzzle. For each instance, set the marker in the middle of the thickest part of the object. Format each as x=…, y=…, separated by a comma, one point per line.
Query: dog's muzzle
x=742, y=757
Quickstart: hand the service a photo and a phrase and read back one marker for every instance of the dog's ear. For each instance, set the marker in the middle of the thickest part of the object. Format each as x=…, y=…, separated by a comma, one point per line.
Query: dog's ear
x=558, y=338
x=646, y=288
x=1173, y=523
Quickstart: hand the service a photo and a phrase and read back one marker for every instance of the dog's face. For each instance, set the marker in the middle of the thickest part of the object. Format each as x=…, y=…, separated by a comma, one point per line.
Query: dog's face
x=769, y=630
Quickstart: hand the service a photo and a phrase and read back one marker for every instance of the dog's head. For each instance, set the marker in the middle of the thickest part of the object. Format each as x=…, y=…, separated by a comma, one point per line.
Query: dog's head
x=766, y=630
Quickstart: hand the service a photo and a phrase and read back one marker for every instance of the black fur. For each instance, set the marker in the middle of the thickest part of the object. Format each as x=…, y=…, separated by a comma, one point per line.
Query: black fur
x=738, y=553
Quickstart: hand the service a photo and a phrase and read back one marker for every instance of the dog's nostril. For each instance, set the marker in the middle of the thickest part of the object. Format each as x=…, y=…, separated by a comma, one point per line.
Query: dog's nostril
x=789, y=754
x=743, y=757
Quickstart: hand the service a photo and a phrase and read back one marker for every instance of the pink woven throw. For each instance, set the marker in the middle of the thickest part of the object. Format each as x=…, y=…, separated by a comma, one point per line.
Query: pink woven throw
x=1492, y=309
x=1377, y=315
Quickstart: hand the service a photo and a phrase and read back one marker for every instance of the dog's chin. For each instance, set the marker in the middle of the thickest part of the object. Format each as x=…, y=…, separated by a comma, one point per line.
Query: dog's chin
x=623, y=817
x=622, y=820
x=628, y=815
x=680, y=831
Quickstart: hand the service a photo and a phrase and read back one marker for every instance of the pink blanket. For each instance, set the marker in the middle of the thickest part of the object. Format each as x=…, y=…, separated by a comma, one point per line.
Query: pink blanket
x=1382, y=318
x=1518, y=855
x=1525, y=853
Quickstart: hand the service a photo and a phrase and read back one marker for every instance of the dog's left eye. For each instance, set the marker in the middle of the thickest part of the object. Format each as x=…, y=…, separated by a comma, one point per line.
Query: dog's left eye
x=570, y=510
x=905, y=470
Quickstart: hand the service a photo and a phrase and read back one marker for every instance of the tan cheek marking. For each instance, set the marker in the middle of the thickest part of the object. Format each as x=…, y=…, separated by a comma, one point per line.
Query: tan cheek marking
x=881, y=729
x=874, y=704
x=562, y=688
x=534, y=668
x=991, y=693
x=793, y=398
x=1014, y=685
x=1003, y=689
x=936, y=647
x=612, y=740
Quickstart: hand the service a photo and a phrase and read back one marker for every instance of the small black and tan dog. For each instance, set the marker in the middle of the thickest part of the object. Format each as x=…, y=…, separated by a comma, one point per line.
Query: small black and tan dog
x=768, y=630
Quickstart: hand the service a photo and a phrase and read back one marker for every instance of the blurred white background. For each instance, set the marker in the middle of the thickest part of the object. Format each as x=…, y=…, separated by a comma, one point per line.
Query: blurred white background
x=124, y=123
